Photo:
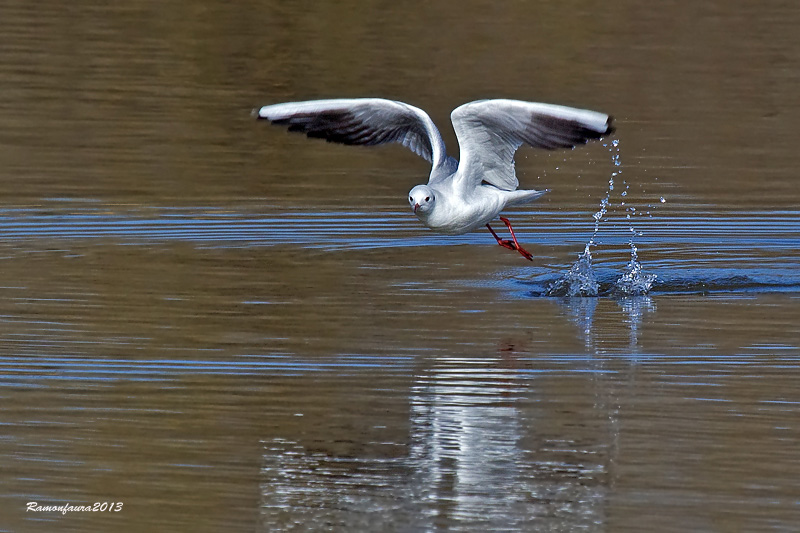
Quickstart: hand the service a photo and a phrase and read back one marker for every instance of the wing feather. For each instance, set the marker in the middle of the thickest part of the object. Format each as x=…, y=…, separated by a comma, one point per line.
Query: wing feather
x=490, y=132
x=362, y=121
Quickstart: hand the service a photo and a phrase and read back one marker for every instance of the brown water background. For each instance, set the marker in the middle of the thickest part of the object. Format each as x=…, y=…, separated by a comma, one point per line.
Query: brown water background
x=229, y=328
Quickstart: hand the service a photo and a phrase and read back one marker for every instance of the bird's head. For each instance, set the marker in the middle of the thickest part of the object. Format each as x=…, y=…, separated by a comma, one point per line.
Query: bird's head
x=421, y=198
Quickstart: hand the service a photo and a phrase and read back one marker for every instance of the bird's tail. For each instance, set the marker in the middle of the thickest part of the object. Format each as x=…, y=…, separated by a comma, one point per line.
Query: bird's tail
x=525, y=197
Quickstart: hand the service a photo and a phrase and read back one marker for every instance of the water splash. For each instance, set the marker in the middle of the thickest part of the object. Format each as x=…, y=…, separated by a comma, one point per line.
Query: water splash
x=634, y=281
x=579, y=280
x=604, y=203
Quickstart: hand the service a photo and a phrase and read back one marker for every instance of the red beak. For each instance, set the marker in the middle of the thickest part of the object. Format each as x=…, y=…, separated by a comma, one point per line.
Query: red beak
x=416, y=206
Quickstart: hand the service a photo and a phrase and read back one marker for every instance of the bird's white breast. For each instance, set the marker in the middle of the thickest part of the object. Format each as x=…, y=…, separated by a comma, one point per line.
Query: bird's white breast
x=454, y=214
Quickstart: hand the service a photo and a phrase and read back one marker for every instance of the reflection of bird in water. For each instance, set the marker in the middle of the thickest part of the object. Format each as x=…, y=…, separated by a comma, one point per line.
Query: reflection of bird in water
x=459, y=197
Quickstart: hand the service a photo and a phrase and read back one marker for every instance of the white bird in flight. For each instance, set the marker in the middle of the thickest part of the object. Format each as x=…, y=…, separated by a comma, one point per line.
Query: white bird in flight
x=459, y=196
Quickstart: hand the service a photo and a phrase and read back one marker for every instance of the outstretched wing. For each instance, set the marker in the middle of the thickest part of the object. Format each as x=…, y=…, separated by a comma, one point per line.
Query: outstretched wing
x=364, y=121
x=490, y=131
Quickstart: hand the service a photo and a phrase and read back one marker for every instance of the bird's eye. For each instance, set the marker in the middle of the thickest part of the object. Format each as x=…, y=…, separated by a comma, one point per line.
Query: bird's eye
x=410, y=198
x=427, y=198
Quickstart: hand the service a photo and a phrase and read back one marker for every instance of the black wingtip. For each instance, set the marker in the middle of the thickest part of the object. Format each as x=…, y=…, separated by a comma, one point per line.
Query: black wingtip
x=610, y=128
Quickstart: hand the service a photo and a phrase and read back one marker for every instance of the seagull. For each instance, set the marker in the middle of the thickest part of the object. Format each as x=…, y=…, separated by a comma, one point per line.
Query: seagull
x=459, y=196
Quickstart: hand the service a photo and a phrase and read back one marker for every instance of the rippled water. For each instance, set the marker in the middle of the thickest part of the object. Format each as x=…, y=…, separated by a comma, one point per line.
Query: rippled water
x=226, y=327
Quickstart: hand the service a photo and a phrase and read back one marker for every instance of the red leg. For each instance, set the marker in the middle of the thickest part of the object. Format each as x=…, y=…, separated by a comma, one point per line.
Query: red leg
x=510, y=244
x=502, y=242
x=525, y=253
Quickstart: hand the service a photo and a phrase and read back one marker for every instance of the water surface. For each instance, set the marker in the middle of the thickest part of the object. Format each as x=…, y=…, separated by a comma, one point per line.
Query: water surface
x=227, y=327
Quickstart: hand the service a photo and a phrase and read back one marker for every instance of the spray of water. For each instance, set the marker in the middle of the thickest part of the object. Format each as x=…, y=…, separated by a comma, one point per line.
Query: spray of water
x=633, y=280
x=580, y=279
